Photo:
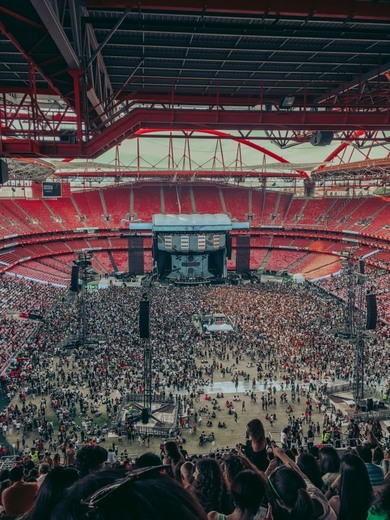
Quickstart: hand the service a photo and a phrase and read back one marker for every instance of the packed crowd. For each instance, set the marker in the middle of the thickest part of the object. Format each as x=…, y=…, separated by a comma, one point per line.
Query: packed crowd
x=376, y=281
x=257, y=480
x=284, y=334
x=18, y=298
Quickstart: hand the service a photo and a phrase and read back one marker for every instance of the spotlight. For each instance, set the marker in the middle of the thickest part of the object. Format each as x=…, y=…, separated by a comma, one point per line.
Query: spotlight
x=287, y=102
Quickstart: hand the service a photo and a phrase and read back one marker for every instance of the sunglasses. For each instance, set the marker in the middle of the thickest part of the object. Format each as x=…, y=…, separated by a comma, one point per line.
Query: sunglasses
x=95, y=500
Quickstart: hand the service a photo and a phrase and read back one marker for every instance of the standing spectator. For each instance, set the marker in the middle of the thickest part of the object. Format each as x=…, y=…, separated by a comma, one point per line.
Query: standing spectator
x=256, y=446
x=70, y=455
x=111, y=457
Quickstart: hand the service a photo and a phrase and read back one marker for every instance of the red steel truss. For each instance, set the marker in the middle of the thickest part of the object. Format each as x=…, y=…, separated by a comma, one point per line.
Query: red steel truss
x=44, y=139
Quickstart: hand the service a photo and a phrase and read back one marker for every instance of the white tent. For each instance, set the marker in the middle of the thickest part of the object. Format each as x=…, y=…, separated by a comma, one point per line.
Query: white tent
x=298, y=278
x=215, y=328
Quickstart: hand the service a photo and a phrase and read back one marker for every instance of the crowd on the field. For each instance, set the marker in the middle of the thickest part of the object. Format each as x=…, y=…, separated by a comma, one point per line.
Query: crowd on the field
x=286, y=334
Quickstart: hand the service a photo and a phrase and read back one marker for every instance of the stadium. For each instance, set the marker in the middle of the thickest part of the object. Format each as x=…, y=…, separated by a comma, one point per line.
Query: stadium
x=194, y=259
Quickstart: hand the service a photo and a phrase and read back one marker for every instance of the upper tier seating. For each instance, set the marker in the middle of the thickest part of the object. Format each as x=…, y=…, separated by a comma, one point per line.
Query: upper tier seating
x=15, y=218
x=282, y=259
x=147, y=202
x=345, y=213
x=170, y=201
x=257, y=257
x=363, y=214
x=65, y=210
x=207, y=199
x=268, y=209
x=314, y=210
x=236, y=202
x=85, y=209
x=90, y=206
x=118, y=205
x=293, y=214
x=185, y=202
x=40, y=214
x=282, y=208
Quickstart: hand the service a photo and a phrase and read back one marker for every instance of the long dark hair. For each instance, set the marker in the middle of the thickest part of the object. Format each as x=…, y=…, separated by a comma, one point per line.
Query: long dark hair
x=233, y=465
x=289, y=490
x=209, y=485
x=256, y=429
x=248, y=491
x=173, y=452
x=355, y=488
x=329, y=460
x=308, y=465
x=51, y=491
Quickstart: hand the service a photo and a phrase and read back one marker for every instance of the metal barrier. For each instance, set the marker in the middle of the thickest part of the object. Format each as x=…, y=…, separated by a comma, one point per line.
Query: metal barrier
x=156, y=398
x=7, y=462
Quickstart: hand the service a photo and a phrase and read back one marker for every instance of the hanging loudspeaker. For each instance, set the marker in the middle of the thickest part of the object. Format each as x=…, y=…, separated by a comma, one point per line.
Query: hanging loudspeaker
x=321, y=138
x=145, y=416
x=144, y=319
x=74, y=279
x=372, y=313
x=3, y=172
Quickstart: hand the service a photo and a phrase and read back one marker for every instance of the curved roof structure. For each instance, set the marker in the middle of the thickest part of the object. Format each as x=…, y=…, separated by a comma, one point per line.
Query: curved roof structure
x=78, y=78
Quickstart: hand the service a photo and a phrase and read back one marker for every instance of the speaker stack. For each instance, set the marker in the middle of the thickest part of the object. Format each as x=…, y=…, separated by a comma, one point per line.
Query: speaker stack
x=3, y=172
x=144, y=319
x=372, y=311
x=74, y=279
x=321, y=138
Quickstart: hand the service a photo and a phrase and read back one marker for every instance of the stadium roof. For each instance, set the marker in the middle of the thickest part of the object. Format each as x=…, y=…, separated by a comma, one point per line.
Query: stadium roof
x=79, y=77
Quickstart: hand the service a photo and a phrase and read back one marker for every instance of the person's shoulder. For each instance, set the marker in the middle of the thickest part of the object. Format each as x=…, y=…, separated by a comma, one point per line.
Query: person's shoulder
x=214, y=515
x=334, y=503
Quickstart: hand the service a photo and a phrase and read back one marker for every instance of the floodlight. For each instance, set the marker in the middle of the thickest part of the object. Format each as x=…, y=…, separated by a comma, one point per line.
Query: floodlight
x=287, y=102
